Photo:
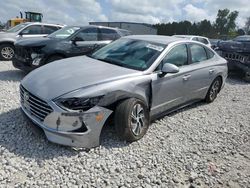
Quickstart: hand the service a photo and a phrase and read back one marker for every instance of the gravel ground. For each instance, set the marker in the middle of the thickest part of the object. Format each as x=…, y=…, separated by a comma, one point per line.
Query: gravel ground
x=205, y=145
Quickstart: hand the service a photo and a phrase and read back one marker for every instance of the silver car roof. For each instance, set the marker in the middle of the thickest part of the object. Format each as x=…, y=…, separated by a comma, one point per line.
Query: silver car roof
x=156, y=38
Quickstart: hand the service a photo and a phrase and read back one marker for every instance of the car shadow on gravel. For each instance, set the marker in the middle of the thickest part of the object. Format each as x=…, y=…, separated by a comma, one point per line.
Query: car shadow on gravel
x=234, y=79
x=12, y=75
x=18, y=136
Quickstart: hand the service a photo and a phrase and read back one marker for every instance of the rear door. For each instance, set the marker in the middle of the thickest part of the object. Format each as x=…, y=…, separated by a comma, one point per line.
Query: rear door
x=48, y=29
x=107, y=36
x=201, y=71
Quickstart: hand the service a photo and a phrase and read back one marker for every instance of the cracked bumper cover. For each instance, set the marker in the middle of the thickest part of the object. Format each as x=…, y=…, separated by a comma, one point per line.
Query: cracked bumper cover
x=65, y=127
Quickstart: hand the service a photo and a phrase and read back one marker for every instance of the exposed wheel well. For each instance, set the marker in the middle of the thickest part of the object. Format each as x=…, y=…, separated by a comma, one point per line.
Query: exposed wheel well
x=9, y=43
x=221, y=79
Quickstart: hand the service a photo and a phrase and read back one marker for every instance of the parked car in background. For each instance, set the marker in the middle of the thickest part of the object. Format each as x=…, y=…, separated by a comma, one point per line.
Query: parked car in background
x=237, y=53
x=68, y=42
x=201, y=39
x=137, y=78
x=24, y=30
x=214, y=43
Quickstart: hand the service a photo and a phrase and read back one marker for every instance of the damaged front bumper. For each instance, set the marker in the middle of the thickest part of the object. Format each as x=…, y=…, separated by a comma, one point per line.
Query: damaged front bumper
x=75, y=129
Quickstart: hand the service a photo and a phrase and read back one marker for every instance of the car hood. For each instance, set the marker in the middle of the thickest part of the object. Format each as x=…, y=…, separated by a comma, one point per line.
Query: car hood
x=35, y=42
x=234, y=46
x=7, y=35
x=64, y=76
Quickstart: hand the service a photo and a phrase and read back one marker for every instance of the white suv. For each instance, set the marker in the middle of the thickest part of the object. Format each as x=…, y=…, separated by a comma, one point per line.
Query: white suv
x=24, y=30
x=201, y=39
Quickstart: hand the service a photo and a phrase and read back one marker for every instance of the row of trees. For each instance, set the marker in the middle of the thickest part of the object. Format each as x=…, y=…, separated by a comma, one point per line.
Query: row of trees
x=224, y=25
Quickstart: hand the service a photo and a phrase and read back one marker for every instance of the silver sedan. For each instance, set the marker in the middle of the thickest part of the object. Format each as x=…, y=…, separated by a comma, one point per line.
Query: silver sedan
x=136, y=78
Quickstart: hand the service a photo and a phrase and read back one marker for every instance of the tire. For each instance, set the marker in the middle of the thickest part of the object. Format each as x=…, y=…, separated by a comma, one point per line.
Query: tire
x=54, y=58
x=6, y=52
x=213, y=90
x=247, y=76
x=127, y=127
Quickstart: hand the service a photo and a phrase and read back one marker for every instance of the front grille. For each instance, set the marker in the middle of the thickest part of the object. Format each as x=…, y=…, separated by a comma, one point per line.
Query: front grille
x=34, y=105
x=22, y=52
x=235, y=57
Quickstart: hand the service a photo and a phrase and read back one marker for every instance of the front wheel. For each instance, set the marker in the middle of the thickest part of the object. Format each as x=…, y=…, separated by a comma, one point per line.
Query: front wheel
x=213, y=90
x=6, y=52
x=131, y=119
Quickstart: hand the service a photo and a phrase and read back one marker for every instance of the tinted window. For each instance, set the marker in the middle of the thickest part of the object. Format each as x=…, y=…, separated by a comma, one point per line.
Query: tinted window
x=196, y=39
x=64, y=32
x=198, y=53
x=49, y=29
x=108, y=34
x=33, y=30
x=90, y=34
x=130, y=53
x=202, y=40
x=177, y=56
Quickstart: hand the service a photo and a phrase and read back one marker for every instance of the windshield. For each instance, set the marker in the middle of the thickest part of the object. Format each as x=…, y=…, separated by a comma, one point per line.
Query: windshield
x=130, y=53
x=64, y=32
x=17, y=28
x=243, y=38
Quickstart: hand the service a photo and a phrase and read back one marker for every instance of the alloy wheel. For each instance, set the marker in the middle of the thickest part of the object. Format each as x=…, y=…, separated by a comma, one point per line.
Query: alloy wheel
x=137, y=119
x=214, y=90
x=7, y=52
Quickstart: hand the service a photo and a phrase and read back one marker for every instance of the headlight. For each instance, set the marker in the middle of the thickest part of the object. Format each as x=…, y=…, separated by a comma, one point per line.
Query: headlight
x=34, y=55
x=81, y=104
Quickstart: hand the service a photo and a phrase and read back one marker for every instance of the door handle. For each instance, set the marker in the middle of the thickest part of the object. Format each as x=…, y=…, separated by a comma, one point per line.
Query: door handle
x=211, y=71
x=186, y=77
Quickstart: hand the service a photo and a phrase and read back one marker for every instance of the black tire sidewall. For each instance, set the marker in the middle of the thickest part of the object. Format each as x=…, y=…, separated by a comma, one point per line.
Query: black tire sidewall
x=123, y=120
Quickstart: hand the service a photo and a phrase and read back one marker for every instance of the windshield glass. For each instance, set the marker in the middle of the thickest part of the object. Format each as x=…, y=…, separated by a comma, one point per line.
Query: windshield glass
x=64, y=32
x=130, y=53
x=17, y=28
x=243, y=38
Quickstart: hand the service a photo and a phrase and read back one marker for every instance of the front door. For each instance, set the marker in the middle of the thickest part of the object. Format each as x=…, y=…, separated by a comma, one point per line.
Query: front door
x=169, y=91
x=86, y=41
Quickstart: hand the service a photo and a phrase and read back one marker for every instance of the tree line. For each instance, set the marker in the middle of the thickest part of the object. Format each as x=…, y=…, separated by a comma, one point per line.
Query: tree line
x=223, y=27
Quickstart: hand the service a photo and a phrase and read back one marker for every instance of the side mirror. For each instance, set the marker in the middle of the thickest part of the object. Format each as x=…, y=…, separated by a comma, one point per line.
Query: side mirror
x=169, y=68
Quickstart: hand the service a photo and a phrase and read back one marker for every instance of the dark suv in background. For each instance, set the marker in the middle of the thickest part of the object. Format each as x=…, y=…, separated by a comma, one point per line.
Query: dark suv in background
x=67, y=42
x=21, y=31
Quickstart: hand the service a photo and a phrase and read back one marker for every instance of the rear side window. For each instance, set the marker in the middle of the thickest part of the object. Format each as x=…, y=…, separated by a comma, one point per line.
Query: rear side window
x=202, y=40
x=108, y=34
x=49, y=29
x=177, y=56
x=196, y=39
x=198, y=53
x=210, y=54
x=90, y=34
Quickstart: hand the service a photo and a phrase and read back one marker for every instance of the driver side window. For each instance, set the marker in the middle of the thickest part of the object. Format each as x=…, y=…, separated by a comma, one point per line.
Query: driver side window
x=177, y=56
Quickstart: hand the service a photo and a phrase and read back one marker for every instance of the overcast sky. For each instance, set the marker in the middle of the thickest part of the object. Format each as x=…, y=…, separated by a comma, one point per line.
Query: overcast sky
x=147, y=11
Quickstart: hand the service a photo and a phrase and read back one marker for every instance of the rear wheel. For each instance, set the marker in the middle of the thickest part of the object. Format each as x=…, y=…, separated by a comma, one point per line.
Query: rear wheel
x=131, y=119
x=6, y=52
x=213, y=90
